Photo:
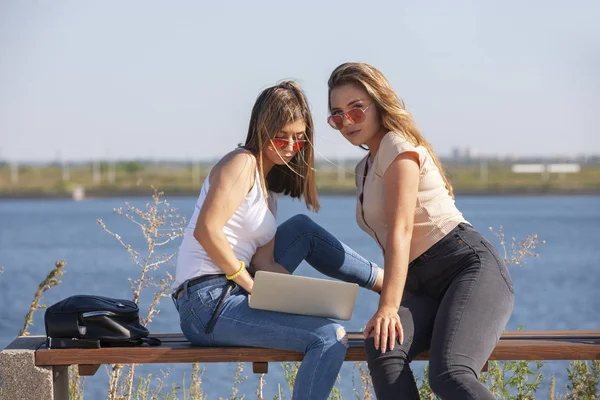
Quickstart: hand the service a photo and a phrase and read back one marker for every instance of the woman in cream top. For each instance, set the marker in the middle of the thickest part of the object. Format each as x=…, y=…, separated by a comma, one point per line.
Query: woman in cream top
x=445, y=288
x=435, y=212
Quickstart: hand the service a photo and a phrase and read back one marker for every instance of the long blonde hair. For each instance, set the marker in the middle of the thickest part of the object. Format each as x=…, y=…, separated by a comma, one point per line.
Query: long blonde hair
x=274, y=108
x=394, y=116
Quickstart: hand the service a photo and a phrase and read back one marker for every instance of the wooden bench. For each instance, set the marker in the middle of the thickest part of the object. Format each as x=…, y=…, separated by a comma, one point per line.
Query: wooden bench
x=513, y=345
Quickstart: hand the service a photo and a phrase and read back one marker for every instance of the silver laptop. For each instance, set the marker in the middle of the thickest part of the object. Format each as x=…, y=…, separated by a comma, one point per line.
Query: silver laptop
x=302, y=295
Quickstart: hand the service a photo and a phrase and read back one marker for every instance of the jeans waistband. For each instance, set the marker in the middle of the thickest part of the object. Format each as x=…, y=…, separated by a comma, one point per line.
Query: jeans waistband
x=195, y=281
x=432, y=250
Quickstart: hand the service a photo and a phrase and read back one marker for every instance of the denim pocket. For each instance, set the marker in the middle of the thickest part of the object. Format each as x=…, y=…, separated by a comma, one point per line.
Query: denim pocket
x=501, y=264
x=194, y=328
x=209, y=295
x=193, y=317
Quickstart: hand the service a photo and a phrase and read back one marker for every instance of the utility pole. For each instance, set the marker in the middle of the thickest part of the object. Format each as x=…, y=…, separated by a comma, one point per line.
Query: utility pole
x=66, y=173
x=195, y=173
x=96, y=173
x=111, y=171
x=483, y=171
x=341, y=171
x=14, y=172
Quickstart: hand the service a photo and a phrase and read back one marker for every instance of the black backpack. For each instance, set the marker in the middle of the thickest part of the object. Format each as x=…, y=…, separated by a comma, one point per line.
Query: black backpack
x=94, y=321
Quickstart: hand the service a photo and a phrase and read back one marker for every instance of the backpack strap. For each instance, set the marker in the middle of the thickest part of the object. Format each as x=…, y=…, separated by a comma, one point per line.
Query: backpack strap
x=151, y=341
x=73, y=343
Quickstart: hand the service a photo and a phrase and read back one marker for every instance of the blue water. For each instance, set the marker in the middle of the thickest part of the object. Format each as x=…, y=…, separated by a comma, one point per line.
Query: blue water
x=559, y=290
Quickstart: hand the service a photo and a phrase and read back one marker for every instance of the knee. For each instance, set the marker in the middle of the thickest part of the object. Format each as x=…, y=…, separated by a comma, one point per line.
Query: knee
x=372, y=353
x=333, y=338
x=299, y=222
x=376, y=359
x=448, y=381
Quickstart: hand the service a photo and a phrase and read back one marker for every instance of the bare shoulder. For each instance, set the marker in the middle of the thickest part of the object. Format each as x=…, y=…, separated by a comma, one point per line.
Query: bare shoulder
x=237, y=159
x=234, y=165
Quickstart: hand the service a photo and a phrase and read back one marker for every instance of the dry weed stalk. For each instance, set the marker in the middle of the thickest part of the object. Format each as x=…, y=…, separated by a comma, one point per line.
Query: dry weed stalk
x=261, y=385
x=48, y=283
x=238, y=379
x=290, y=370
x=583, y=380
x=114, y=377
x=519, y=251
x=76, y=383
x=159, y=224
x=552, y=388
x=144, y=392
x=366, y=386
x=196, y=392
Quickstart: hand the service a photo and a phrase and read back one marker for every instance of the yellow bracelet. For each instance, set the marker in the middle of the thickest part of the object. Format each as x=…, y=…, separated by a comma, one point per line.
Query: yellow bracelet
x=239, y=271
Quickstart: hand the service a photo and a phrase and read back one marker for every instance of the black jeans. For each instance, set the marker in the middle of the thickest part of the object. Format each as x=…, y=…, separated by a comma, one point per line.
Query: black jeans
x=458, y=298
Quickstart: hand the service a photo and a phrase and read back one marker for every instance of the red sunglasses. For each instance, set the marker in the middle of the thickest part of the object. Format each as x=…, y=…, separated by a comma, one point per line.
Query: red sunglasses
x=354, y=115
x=280, y=143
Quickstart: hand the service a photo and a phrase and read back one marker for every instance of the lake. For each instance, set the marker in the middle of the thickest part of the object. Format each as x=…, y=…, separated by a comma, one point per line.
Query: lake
x=559, y=290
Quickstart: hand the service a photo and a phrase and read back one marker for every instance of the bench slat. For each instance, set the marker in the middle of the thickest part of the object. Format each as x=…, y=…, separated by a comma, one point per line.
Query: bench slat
x=532, y=345
x=508, y=335
x=590, y=336
x=515, y=345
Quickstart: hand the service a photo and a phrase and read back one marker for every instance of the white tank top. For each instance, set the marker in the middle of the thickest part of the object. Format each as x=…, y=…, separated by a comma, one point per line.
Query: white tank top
x=251, y=226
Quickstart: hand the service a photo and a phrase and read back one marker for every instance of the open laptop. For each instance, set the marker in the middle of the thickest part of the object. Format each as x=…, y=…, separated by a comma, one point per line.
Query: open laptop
x=302, y=295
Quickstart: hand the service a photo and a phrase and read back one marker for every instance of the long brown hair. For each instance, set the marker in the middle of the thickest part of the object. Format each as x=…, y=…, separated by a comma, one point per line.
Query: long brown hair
x=274, y=108
x=394, y=116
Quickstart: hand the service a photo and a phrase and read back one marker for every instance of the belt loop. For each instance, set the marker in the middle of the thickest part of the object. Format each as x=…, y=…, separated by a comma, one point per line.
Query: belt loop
x=185, y=290
x=174, y=298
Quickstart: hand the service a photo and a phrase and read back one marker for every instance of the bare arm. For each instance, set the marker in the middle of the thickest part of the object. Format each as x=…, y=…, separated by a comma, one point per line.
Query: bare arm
x=230, y=181
x=401, y=183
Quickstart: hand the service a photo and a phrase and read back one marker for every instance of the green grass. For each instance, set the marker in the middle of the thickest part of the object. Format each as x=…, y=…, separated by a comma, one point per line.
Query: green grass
x=132, y=178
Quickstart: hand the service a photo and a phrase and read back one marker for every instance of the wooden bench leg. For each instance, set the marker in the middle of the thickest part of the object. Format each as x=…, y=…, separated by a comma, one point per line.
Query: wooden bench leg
x=60, y=376
x=88, y=369
x=260, y=367
x=485, y=367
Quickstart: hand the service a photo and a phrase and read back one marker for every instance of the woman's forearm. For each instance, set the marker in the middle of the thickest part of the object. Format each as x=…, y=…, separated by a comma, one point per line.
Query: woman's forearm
x=219, y=250
x=396, y=268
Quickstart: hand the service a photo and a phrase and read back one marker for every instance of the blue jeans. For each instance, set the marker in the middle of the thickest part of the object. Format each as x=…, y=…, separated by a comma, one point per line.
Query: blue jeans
x=322, y=340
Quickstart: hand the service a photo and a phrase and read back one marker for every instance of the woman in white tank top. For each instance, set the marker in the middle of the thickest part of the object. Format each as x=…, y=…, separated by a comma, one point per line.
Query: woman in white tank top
x=233, y=232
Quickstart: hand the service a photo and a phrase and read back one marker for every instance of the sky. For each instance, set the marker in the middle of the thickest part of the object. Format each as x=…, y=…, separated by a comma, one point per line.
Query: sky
x=83, y=80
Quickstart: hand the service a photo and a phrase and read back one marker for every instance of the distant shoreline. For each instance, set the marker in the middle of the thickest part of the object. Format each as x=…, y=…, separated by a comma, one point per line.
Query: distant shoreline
x=170, y=193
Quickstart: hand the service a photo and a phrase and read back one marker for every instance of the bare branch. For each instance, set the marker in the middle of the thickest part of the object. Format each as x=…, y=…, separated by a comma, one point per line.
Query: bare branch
x=48, y=283
x=159, y=224
x=519, y=250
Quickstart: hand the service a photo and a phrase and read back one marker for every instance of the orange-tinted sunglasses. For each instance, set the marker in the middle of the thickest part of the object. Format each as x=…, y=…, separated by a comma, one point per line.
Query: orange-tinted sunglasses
x=281, y=143
x=355, y=115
